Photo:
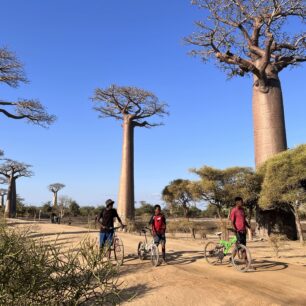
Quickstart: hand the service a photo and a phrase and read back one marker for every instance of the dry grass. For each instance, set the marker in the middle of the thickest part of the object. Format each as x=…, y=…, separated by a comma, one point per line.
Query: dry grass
x=39, y=273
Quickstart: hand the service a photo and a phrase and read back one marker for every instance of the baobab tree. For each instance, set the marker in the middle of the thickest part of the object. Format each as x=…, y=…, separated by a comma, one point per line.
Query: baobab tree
x=12, y=170
x=132, y=106
x=55, y=188
x=12, y=74
x=253, y=37
x=3, y=193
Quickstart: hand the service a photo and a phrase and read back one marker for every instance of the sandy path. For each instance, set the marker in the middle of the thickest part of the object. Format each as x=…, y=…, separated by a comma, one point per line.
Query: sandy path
x=189, y=280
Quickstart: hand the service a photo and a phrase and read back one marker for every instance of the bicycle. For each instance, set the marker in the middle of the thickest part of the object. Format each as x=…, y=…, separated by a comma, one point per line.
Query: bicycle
x=145, y=248
x=240, y=255
x=116, y=248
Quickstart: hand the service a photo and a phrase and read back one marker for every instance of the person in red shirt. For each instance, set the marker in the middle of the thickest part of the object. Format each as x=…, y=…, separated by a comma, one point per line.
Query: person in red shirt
x=158, y=223
x=239, y=221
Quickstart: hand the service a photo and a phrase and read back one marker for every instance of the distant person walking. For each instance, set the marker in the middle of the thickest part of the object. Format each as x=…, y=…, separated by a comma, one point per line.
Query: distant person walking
x=106, y=222
x=239, y=221
x=158, y=223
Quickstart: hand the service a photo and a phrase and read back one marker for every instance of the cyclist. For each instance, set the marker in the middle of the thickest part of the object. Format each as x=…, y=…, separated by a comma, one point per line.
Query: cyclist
x=106, y=222
x=239, y=221
x=158, y=223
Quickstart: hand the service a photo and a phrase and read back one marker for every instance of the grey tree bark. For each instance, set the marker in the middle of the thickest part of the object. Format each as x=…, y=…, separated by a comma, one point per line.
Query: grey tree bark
x=10, y=207
x=54, y=199
x=295, y=211
x=2, y=200
x=126, y=197
x=269, y=119
x=3, y=193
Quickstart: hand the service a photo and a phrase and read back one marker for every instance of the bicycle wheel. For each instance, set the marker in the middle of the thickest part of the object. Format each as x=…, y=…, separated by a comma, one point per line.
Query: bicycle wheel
x=154, y=255
x=241, y=258
x=118, y=251
x=141, y=250
x=213, y=253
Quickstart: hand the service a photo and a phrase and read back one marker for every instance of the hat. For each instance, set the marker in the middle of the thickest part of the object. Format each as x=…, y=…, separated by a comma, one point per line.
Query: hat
x=109, y=202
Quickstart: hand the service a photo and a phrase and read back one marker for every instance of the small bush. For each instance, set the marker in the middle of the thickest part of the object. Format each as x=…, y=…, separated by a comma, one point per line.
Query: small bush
x=38, y=273
x=184, y=226
x=277, y=243
x=136, y=226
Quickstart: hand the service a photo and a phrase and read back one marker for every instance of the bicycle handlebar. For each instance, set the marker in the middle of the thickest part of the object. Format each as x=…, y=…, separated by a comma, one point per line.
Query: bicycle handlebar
x=114, y=228
x=145, y=229
x=232, y=230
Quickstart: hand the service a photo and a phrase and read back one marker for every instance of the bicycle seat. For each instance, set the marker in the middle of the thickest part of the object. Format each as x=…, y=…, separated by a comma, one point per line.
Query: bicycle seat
x=218, y=233
x=231, y=230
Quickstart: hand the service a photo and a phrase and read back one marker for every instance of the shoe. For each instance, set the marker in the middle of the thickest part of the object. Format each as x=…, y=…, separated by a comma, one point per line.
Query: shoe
x=163, y=261
x=251, y=268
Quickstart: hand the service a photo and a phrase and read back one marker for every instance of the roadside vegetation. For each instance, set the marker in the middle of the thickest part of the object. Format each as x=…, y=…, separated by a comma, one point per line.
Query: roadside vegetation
x=49, y=276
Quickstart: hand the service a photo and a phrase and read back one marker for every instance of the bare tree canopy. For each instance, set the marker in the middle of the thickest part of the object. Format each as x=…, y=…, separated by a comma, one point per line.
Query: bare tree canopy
x=11, y=70
x=56, y=187
x=12, y=74
x=120, y=101
x=251, y=36
x=12, y=168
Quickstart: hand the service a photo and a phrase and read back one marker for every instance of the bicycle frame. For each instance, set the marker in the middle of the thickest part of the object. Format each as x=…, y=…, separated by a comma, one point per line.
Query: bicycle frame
x=145, y=234
x=110, y=243
x=228, y=244
x=147, y=245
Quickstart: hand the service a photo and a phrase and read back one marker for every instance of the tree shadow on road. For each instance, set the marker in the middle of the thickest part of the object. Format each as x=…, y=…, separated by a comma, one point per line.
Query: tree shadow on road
x=294, y=256
x=133, y=292
x=183, y=257
x=173, y=258
x=132, y=264
x=267, y=266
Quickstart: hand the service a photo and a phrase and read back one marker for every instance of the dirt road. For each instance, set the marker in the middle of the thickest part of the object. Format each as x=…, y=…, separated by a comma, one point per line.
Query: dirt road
x=189, y=280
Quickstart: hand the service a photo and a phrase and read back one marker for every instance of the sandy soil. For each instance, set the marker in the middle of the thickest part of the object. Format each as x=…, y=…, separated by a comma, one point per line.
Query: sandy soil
x=189, y=280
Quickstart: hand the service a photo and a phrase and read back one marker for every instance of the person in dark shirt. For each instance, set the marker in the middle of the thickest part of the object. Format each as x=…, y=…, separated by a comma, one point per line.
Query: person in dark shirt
x=106, y=222
x=158, y=223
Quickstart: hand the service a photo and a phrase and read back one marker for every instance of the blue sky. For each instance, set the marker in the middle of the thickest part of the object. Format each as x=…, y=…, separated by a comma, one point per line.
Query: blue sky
x=71, y=47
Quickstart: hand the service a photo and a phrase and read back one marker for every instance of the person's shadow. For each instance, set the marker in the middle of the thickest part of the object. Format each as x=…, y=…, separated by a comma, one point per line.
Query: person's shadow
x=267, y=266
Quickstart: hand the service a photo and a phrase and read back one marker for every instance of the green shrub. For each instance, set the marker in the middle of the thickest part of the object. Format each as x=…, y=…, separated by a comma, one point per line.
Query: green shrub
x=38, y=273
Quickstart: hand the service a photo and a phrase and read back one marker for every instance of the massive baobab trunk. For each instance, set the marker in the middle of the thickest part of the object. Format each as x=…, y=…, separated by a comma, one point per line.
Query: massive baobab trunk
x=2, y=199
x=10, y=208
x=3, y=193
x=269, y=120
x=54, y=199
x=126, y=197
